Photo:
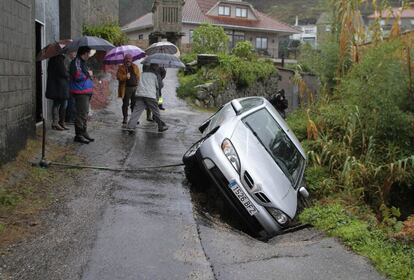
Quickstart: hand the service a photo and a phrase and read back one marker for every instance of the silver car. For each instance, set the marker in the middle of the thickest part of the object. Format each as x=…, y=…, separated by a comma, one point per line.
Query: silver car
x=255, y=160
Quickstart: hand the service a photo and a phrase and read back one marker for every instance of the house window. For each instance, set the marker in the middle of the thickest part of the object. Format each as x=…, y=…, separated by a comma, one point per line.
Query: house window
x=241, y=12
x=224, y=10
x=328, y=28
x=382, y=22
x=261, y=43
x=191, y=36
x=141, y=37
x=412, y=22
x=238, y=38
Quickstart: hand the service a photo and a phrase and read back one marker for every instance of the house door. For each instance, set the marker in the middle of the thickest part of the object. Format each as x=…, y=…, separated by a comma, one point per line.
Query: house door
x=39, y=73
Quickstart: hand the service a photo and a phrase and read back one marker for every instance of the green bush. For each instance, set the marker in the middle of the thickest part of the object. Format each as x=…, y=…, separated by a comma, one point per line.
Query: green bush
x=109, y=31
x=209, y=39
x=322, y=62
x=319, y=181
x=379, y=85
x=187, y=85
x=297, y=122
x=244, y=49
x=244, y=72
x=188, y=57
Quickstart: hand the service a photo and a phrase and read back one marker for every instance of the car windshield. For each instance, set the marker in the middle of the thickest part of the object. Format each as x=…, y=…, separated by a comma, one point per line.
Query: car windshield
x=277, y=143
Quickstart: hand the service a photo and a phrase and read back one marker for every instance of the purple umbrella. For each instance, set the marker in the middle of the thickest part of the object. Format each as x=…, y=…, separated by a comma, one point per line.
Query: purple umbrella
x=116, y=55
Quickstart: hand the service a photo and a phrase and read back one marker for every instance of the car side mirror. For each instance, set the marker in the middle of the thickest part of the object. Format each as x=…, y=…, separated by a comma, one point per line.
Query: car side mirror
x=203, y=127
x=236, y=106
x=304, y=192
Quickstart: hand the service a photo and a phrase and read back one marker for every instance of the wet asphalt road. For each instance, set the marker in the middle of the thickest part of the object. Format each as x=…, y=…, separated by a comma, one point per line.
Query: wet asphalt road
x=144, y=225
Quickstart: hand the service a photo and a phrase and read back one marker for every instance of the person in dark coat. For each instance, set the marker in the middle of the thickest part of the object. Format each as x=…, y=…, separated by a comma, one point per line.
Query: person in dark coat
x=57, y=89
x=280, y=102
x=70, y=109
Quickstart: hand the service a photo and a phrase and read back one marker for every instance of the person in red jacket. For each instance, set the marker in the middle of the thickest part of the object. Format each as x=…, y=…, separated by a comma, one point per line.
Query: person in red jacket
x=81, y=88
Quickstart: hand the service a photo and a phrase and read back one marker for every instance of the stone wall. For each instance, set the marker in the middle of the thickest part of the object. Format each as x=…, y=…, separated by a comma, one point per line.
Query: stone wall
x=17, y=52
x=211, y=95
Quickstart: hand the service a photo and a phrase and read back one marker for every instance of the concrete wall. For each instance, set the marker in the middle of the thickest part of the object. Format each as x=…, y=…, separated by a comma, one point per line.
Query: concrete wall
x=291, y=90
x=100, y=11
x=75, y=13
x=17, y=52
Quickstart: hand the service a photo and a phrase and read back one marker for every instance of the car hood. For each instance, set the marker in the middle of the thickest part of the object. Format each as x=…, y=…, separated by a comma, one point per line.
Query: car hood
x=266, y=174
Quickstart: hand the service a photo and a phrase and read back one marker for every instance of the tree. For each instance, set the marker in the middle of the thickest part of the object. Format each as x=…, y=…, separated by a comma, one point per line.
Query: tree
x=209, y=39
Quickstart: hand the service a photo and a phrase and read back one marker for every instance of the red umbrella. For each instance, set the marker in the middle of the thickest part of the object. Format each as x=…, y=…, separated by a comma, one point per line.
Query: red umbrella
x=52, y=49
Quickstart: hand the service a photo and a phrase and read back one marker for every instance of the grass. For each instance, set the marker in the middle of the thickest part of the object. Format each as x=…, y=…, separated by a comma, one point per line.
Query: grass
x=26, y=190
x=391, y=257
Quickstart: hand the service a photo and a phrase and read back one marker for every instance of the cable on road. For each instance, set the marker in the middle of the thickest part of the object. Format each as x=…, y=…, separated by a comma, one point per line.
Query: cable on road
x=108, y=168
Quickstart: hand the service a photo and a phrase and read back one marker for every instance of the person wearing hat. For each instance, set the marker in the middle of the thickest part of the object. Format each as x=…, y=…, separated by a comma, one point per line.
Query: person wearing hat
x=81, y=88
x=128, y=76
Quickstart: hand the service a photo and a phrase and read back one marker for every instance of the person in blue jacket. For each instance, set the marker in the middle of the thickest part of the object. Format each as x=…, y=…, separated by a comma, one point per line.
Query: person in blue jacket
x=81, y=88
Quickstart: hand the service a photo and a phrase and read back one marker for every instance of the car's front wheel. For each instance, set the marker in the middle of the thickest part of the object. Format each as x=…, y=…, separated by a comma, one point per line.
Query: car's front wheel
x=192, y=168
x=189, y=157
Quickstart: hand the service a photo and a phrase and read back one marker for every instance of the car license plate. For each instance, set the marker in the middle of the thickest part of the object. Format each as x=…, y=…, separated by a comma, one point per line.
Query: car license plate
x=242, y=197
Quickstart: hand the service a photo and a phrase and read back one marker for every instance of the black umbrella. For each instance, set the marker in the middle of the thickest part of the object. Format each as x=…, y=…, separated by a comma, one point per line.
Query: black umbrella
x=92, y=42
x=165, y=60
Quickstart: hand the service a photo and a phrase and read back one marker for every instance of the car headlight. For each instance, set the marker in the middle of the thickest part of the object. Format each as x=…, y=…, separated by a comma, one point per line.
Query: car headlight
x=279, y=216
x=231, y=154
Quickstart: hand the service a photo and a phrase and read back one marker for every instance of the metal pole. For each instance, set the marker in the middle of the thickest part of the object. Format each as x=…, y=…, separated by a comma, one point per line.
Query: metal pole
x=43, y=139
x=43, y=162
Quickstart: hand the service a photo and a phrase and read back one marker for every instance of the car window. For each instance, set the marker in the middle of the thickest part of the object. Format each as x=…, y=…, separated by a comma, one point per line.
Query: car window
x=250, y=103
x=277, y=143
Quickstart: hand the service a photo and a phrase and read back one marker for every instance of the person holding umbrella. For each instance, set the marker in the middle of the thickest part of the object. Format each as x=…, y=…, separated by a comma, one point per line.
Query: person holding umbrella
x=81, y=87
x=57, y=89
x=128, y=76
x=146, y=96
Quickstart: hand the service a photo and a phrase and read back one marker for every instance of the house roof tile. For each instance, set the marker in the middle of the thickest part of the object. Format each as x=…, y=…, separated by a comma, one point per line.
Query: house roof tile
x=143, y=21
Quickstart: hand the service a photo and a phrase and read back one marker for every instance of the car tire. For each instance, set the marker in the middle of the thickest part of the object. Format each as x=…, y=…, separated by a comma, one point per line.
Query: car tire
x=303, y=202
x=189, y=158
x=192, y=169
